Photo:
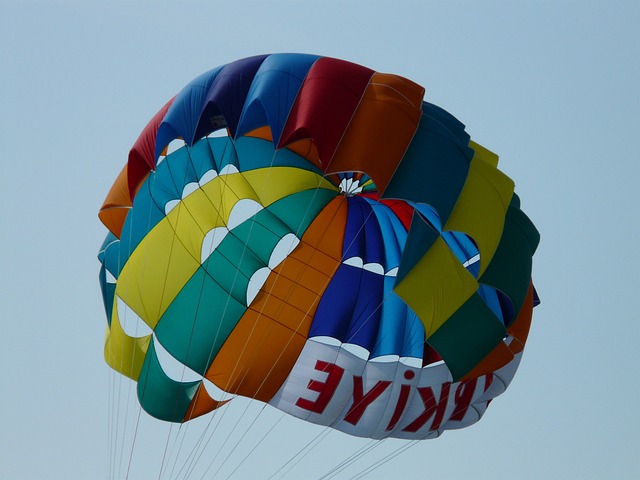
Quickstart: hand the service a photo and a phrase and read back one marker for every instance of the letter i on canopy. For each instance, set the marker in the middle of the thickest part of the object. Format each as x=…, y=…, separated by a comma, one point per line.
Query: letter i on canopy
x=402, y=400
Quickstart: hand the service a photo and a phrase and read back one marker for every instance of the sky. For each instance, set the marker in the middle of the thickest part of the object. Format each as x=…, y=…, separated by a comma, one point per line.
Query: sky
x=552, y=87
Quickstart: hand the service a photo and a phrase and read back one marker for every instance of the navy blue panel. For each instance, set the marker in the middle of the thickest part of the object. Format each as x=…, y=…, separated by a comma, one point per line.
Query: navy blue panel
x=336, y=306
x=349, y=309
x=273, y=91
x=227, y=95
x=365, y=321
x=183, y=114
x=362, y=236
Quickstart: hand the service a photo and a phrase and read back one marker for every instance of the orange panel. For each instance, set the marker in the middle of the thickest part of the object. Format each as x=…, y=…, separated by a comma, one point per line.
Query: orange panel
x=262, y=349
x=381, y=129
x=306, y=148
x=261, y=132
x=202, y=404
x=117, y=204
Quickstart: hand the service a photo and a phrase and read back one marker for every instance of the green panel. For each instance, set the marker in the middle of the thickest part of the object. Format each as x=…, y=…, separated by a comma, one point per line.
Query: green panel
x=467, y=336
x=510, y=268
x=261, y=234
x=420, y=239
x=433, y=170
x=159, y=395
x=198, y=321
x=232, y=264
x=298, y=211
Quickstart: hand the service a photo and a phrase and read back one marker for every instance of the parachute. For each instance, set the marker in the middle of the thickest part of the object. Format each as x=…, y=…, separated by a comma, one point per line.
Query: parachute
x=311, y=234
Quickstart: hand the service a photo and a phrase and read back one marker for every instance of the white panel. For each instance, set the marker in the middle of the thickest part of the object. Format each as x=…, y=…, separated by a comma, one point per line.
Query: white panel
x=398, y=391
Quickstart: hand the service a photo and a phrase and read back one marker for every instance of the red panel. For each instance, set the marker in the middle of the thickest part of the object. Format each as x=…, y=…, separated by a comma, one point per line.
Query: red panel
x=325, y=104
x=142, y=155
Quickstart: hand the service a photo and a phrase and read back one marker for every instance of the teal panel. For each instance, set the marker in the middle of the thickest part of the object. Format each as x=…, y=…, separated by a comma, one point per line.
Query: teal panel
x=256, y=153
x=159, y=395
x=198, y=321
x=202, y=157
x=261, y=233
x=298, y=211
x=232, y=264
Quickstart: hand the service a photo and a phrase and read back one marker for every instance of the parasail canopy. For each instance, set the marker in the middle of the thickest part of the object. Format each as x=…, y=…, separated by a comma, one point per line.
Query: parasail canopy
x=312, y=234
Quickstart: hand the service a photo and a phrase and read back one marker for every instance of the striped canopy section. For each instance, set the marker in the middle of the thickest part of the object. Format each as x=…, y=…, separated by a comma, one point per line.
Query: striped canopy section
x=307, y=232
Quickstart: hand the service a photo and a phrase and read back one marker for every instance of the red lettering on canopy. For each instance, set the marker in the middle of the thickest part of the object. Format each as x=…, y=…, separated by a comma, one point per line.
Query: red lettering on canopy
x=325, y=389
x=361, y=400
x=463, y=396
x=430, y=408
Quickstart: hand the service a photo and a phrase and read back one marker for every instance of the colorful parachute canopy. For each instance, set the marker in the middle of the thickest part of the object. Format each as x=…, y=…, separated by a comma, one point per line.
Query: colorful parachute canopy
x=320, y=239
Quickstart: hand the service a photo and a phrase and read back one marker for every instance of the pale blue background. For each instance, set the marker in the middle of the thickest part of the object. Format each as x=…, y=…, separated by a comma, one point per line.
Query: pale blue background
x=552, y=87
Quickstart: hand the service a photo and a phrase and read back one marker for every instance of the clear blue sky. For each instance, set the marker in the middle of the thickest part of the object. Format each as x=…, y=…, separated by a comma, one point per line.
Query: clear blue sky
x=552, y=87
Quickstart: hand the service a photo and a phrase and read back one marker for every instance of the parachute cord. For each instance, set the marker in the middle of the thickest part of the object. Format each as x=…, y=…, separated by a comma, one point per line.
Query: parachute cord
x=237, y=443
x=164, y=453
x=110, y=421
x=181, y=430
x=372, y=444
x=133, y=444
x=282, y=414
x=385, y=459
x=317, y=439
x=193, y=457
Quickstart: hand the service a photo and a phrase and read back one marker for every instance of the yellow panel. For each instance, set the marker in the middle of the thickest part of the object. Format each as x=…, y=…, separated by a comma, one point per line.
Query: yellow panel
x=436, y=286
x=484, y=154
x=211, y=205
x=155, y=272
x=278, y=182
x=169, y=255
x=481, y=208
x=123, y=353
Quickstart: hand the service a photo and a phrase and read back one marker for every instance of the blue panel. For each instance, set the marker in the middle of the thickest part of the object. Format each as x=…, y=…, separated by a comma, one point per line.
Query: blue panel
x=227, y=95
x=491, y=298
x=337, y=304
x=108, y=293
x=362, y=236
x=348, y=310
x=365, y=320
x=273, y=91
x=359, y=306
x=429, y=213
x=182, y=117
x=391, y=334
x=393, y=233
